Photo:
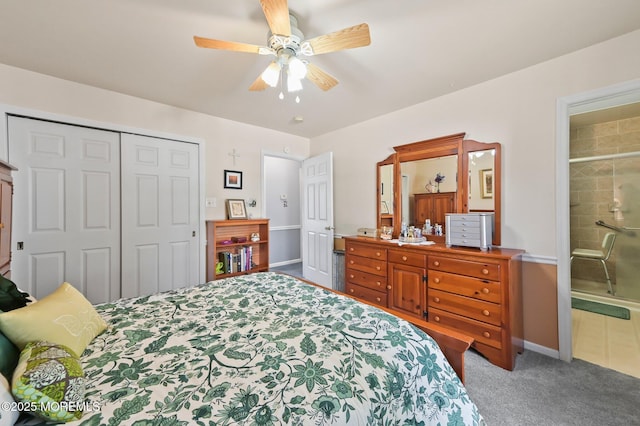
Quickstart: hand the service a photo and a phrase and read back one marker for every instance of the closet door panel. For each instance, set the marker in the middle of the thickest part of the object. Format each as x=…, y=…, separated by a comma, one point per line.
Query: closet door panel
x=66, y=208
x=160, y=209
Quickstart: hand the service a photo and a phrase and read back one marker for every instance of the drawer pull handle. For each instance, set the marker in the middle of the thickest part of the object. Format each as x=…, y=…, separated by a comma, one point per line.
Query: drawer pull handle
x=436, y=280
x=404, y=258
x=436, y=318
x=485, y=290
x=388, y=287
x=351, y=249
x=378, y=283
x=378, y=299
x=485, y=271
x=377, y=268
x=351, y=290
x=486, y=334
x=485, y=313
x=436, y=263
x=351, y=276
x=351, y=262
x=436, y=299
x=378, y=254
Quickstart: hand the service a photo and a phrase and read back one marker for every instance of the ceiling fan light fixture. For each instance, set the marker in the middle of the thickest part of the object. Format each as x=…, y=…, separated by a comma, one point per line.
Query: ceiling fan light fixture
x=293, y=84
x=272, y=74
x=297, y=68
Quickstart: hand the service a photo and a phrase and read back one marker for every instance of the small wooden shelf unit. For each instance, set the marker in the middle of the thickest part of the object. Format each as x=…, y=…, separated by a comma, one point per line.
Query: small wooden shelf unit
x=224, y=230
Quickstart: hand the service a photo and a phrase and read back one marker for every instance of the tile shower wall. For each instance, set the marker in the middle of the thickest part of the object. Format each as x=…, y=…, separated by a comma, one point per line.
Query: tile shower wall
x=593, y=187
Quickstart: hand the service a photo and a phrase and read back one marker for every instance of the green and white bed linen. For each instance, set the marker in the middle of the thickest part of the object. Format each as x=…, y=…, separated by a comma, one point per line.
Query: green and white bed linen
x=266, y=349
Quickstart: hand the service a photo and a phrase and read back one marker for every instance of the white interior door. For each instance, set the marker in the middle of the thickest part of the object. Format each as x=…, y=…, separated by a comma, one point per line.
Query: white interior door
x=66, y=222
x=160, y=230
x=317, y=223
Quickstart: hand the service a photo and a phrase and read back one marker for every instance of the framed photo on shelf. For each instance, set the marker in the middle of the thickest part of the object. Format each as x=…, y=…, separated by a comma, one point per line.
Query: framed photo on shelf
x=486, y=183
x=236, y=209
x=232, y=179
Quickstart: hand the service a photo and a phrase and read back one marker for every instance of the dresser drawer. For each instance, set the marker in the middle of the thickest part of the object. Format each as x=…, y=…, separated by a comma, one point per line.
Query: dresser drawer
x=366, y=294
x=365, y=264
x=407, y=258
x=366, y=251
x=489, y=291
x=365, y=279
x=489, y=271
x=465, y=306
x=466, y=240
x=482, y=332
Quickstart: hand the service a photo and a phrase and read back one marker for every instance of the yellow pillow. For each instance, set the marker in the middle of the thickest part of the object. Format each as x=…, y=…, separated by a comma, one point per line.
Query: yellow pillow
x=64, y=317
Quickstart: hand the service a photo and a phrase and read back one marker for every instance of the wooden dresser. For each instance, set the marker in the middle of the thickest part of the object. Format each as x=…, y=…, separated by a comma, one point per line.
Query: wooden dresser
x=474, y=292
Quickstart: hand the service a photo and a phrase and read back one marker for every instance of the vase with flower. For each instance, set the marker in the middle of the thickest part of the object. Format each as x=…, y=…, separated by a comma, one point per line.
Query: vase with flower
x=439, y=178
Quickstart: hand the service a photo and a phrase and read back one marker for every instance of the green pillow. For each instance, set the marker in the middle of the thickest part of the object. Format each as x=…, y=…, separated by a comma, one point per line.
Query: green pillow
x=10, y=297
x=50, y=378
x=8, y=356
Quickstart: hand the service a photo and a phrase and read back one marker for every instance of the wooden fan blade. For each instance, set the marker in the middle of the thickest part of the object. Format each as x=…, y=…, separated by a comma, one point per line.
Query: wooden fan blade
x=277, y=14
x=347, y=38
x=320, y=78
x=226, y=45
x=258, y=85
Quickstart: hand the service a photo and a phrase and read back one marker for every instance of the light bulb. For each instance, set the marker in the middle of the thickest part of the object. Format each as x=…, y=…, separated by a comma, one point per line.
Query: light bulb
x=297, y=68
x=293, y=83
x=281, y=96
x=297, y=99
x=272, y=74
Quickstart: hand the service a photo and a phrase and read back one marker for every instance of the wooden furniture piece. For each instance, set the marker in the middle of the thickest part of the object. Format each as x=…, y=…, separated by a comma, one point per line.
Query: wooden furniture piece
x=220, y=236
x=6, y=206
x=473, y=292
x=472, y=159
x=433, y=206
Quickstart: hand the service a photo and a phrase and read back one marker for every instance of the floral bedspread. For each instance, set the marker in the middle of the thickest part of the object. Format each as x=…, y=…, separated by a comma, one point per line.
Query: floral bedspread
x=266, y=349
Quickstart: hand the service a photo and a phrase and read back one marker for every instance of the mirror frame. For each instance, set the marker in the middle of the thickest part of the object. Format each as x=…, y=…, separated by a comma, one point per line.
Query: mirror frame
x=454, y=144
x=390, y=160
x=470, y=146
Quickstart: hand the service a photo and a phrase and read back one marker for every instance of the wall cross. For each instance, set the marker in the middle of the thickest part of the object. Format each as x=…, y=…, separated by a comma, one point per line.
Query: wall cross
x=235, y=155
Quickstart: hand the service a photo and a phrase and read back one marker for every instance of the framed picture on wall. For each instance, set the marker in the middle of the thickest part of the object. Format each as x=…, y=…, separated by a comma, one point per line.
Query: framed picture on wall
x=232, y=179
x=486, y=183
x=236, y=209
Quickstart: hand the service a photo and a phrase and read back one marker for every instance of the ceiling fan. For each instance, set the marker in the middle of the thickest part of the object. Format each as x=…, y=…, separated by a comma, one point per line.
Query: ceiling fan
x=286, y=42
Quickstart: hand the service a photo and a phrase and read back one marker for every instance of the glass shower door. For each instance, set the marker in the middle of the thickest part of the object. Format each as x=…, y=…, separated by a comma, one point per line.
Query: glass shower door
x=605, y=197
x=626, y=189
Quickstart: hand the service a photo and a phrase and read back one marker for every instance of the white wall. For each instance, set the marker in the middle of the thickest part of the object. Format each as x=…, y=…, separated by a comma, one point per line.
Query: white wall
x=518, y=110
x=31, y=91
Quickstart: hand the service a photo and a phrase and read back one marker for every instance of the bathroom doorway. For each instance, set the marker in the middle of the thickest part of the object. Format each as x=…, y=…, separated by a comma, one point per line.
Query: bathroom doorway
x=604, y=207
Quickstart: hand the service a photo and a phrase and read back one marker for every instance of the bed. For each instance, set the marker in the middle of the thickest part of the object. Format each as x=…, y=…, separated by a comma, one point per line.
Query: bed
x=265, y=349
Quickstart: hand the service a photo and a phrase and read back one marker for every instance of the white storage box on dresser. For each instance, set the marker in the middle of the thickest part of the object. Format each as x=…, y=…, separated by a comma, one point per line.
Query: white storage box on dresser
x=469, y=230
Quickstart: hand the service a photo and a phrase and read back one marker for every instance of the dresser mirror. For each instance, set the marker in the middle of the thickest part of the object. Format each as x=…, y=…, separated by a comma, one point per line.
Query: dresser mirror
x=483, y=189
x=421, y=177
x=385, y=192
x=428, y=175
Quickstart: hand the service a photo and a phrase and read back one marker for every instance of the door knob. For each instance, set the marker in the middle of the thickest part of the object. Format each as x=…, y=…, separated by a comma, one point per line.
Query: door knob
x=329, y=228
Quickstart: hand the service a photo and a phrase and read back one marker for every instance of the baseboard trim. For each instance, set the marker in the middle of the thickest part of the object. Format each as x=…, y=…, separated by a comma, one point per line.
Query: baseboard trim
x=534, y=347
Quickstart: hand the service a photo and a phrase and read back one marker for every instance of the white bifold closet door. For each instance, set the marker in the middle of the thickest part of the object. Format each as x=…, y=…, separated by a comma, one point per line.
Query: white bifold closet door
x=160, y=232
x=114, y=214
x=66, y=211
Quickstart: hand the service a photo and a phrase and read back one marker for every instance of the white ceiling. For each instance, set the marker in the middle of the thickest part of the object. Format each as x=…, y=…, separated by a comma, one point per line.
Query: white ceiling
x=420, y=49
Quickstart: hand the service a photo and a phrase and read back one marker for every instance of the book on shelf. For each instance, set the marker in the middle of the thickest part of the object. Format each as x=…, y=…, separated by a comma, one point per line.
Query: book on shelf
x=239, y=261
